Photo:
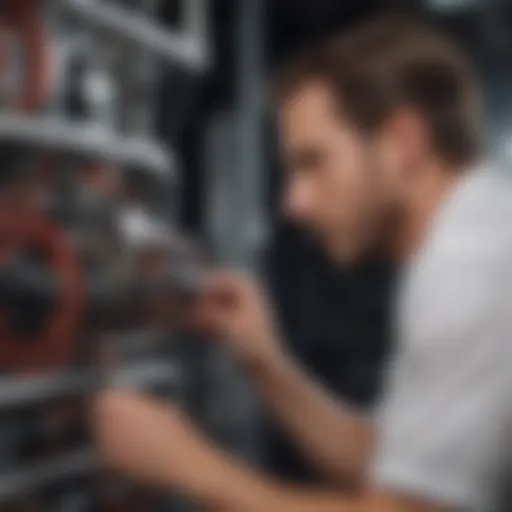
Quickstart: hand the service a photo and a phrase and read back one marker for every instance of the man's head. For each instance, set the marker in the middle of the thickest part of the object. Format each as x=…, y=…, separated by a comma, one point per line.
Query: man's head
x=363, y=118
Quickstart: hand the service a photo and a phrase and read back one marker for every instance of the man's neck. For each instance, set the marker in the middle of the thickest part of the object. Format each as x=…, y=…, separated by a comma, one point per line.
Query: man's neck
x=432, y=189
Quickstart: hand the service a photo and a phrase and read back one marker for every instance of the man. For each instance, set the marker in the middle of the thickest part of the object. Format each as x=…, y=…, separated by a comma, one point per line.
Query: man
x=381, y=136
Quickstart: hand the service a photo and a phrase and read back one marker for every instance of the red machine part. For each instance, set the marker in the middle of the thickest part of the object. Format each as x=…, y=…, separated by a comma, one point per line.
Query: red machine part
x=22, y=19
x=53, y=347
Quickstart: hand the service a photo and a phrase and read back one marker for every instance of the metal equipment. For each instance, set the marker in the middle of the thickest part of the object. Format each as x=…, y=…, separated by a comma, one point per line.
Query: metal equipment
x=93, y=273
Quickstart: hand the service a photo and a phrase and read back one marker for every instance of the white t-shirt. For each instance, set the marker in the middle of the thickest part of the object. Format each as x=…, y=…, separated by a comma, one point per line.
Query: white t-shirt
x=445, y=424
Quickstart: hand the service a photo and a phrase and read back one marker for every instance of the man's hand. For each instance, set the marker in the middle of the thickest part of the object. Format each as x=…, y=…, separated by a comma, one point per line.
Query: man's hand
x=234, y=307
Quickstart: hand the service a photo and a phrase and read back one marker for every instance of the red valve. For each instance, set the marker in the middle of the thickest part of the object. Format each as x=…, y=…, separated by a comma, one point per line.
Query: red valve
x=53, y=346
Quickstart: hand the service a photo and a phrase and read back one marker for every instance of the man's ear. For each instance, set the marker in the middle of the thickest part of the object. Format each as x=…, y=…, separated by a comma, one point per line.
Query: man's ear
x=408, y=132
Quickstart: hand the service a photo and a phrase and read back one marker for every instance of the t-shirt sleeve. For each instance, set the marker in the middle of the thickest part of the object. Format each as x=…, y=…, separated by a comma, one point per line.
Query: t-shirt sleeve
x=443, y=428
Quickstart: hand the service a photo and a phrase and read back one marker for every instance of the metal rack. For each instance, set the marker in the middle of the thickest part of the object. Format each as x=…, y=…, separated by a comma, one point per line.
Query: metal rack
x=87, y=141
x=21, y=392
x=185, y=49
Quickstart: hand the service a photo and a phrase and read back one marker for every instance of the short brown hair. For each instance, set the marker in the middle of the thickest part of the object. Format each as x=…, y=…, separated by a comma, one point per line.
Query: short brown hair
x=394, y=61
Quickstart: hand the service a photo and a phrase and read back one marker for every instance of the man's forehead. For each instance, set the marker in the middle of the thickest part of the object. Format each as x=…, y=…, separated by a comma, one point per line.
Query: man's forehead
x=314, y=96
x=310, y=108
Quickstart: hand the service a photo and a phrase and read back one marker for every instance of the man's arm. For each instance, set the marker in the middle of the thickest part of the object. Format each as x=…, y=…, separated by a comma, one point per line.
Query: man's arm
x=155, y=444
x=296, y=500
x=249, y=492
x=335, y=437
x=267, y=496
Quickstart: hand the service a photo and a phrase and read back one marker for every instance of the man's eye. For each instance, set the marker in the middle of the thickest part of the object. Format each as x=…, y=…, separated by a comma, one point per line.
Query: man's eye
x=308, y=160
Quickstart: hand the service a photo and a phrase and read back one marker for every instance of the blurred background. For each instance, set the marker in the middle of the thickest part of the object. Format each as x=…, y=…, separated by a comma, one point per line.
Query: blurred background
x=135, y=150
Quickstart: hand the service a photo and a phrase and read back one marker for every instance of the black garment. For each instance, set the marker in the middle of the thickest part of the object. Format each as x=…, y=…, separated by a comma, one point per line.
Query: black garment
x=337, y=326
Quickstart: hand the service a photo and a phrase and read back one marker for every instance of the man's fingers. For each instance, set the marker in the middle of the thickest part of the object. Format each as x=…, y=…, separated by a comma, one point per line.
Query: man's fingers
x=221, y=297
x=229, y=282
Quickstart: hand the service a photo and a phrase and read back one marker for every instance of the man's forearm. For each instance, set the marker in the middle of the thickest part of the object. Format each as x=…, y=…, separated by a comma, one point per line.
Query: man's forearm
x=246, y=491
x=214, y=479
x=243, y=490
x=333, y=436
x=157, y=445
x=237, y=488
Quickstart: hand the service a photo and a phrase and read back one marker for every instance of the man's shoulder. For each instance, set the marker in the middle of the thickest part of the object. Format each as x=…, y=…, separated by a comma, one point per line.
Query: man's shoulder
x=473, y=233
x=464, y=272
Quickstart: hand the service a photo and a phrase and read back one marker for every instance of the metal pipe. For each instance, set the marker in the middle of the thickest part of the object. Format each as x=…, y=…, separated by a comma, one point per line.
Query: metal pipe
x=238, y=221
x=250, y=173
x=20, y=392
x=176, y=47
x=83, y=140
x=195, y=17
x=25, y=481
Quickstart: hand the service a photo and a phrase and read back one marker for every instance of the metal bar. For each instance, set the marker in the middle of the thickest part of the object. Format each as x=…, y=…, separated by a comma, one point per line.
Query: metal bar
x=19, y=392
x=24, y=481
x=241, y=428
x=238, y=222
x=195, y=19
x=251, y=190
x=141, y=375
x=176, y=47
x=88, y=141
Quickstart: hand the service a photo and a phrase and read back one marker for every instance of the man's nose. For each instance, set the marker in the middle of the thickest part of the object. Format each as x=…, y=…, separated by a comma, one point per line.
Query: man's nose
x=296, y=204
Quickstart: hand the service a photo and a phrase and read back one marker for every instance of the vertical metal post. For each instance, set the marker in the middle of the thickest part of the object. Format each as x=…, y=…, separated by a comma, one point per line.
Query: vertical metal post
x=236, y=220
x=251, y=184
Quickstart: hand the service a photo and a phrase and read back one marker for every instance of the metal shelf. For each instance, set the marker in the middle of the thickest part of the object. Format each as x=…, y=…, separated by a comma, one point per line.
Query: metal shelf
x=89, y=141
x=19, y=392
x=174, y=46
x=24, y=481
